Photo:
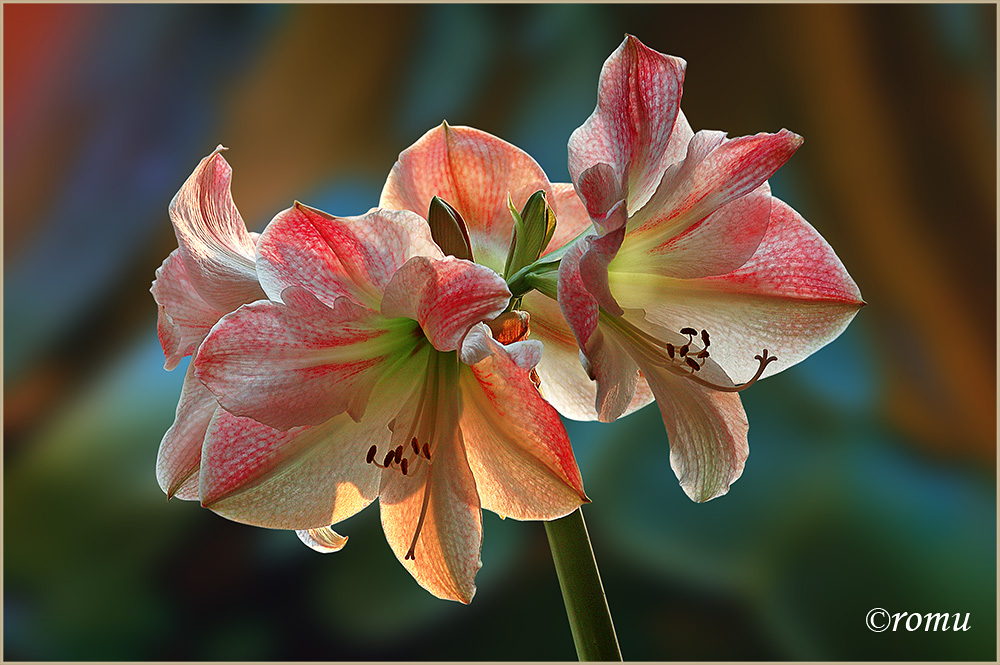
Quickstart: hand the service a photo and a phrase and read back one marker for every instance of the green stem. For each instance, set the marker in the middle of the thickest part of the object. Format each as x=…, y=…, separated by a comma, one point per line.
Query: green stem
x=583, y=594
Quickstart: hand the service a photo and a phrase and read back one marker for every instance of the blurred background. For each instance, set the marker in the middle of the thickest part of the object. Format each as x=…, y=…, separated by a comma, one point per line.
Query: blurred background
x=872, y=475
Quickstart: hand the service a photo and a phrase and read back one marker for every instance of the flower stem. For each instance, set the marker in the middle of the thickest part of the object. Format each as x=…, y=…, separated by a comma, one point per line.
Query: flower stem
x=583, y=594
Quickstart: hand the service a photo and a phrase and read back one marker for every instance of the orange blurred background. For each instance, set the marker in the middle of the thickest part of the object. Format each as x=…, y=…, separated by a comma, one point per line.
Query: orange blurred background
x=871, y=481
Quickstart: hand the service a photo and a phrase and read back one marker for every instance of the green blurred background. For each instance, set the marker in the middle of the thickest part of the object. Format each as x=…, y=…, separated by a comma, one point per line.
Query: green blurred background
x=872, y=475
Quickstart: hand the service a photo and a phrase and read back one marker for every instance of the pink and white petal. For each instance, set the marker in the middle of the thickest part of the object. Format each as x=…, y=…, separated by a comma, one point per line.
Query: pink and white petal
x=479, y=344
x=213, y=240
x=446, y=296
x=715, y=172
x=179, y=456
x=614, y=370
x=184, y=318
x=516, y=445
x=638, y=102
x=432, y=518
x=340, y=256
x=572, y=218
x=594, y=268
x=299, y=362
x=577, y=303
x=564, y=382
x=792, y=297
x=473, y=171
x=707, y=431
x=720, y=243
x=303, y=478
x=323, y=540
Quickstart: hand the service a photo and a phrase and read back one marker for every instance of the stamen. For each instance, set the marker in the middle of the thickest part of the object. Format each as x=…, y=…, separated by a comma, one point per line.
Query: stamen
x=416, y=446
x=371, y=454
x=684, y=349
x=691, y=332
x=399, y=453
x=427, y=452
x=704, y=338
x=670, y=350
x=692, y=363
x=420, y=521
x=389, y=457
x=402, y=466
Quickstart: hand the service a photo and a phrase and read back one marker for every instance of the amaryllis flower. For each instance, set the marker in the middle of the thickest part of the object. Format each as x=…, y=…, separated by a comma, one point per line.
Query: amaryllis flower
x=696, y=282
x=369, y=374
x=479, y=177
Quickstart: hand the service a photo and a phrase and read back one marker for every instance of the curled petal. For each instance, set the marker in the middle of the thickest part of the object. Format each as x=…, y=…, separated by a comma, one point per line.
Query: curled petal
x=446, y=296
x=179, y=457
x=213, y=240
x=638, y=105
x=184, y=318
x=479, y=344
x=339, y=256
x=299, y=362
x=324, y=540
x=594, y=268
x=303, y=478
x=714, y=172
x=579, y=307
x=516, y=445
x=474, y=172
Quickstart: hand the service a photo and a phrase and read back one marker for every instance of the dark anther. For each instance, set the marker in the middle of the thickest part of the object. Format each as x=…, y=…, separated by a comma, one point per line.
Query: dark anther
x=371, y=454
x=399, y=453
x=427, y=451
x=403, y=465
x=416, y=446
x=409, y=555
x=704, y=338
x=689, y=331
x=702, y=354
x=389, y=457
x=670, y=350
x=692, y=363
x=683, y=351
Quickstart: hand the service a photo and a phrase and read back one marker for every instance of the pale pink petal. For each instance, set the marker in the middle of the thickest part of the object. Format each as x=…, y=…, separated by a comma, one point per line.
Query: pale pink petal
x=184, y=318
x=594, y=268
x=480, y=344
x=572, y=218
x=299, y=362
x=323, y=540
x=475, y=173
x=718, y=244
x=431, y=516
x=447, y=296
x=516, y=445
x=638, y=103
x=707, y=431
x=213, y=240
x=792, y=297
x=715, y=172
x=303, y=478
x=577, y=303
x=179, y=457
x=340, y=256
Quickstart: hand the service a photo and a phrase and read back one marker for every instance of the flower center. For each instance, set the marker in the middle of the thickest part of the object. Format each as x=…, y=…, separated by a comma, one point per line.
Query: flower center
x=686, y=359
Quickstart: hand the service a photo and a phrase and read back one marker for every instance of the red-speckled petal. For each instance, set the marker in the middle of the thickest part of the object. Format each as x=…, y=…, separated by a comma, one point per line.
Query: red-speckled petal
x=303, y=478
x=299, y=362
x=516, y=445
x=179, y=457
x=447, y=296
x=339, y=256
x=638, y=106
x=571, y=216
x=473, y=171
x=184, y=318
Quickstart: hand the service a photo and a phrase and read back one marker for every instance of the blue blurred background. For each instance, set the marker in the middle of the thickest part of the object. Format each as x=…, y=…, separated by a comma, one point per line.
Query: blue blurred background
x=872, y=476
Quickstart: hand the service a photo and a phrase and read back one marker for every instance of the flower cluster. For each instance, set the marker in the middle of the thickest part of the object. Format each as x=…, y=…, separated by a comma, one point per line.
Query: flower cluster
x=422, y=353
